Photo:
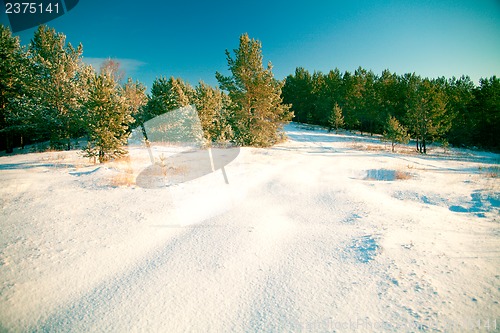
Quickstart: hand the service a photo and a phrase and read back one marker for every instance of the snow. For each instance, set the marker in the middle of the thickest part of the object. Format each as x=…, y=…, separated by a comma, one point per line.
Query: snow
x=310, y=235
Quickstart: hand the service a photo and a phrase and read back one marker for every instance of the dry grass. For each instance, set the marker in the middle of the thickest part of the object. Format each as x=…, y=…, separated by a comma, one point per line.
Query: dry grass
x=401, y=175
x=357, y=145
x=125, y=176
x=178, y=171
x=123, y=179
x=491, y=175
x=491, y=172
x=375, y=148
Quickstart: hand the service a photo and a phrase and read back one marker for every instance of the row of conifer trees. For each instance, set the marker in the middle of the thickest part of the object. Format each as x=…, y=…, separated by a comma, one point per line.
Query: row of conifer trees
x=452, y=110
x=47, y=93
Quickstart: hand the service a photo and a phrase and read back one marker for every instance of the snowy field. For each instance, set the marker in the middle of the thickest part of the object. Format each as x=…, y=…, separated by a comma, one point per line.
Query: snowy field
x=325, y=232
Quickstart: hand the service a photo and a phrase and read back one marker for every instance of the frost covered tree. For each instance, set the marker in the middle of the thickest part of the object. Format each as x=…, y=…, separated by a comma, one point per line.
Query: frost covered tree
x=168, y=95
x=259, y=114
x=135, y=98
x=16, y=119
x=212, y=107
x=107, y=118
x=57, y=84
x=336, y=119
x=395, y=133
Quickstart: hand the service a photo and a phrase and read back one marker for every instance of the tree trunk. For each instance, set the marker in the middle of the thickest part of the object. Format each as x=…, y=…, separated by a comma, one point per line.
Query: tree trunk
x=9, y=149
x=101, y=155
x=145, y=134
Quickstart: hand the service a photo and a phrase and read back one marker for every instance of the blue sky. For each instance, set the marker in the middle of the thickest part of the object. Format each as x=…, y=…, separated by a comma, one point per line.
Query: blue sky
x=187, y=39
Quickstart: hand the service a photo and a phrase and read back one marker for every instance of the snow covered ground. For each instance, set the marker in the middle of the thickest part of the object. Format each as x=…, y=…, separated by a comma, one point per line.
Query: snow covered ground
x=326, y=232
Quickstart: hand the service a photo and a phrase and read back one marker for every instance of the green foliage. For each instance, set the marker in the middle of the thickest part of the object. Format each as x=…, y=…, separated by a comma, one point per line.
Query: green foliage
x=107, y=118
x=297, y=92
x=395, y=132
x=460, y=98
x=57, y=84
x=44, y=93
x=168, y=95
x=427, y=115
x=135, y=99
x=13, y=119
x=433, y=110
x=487, y=112
x=336, y=119
x=259, y=114
x=212, y=106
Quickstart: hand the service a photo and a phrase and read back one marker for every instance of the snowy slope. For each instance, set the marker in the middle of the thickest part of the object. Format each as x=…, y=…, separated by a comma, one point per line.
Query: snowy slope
x=324, y=232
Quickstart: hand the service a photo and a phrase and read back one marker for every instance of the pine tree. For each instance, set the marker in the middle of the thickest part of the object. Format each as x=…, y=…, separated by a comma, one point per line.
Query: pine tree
x=389, y=96
x=321, y=106
x=297, y=92
x=211, y=105
x=107, y=117
x=460, y=93
x=427, y=115
x=135, y=98
x=57, y=83
x=255, y=96
x=168, y=95
x=395, y=133
x=336, y=119
x=351, y=95
x=15, y=117
x=487, y=115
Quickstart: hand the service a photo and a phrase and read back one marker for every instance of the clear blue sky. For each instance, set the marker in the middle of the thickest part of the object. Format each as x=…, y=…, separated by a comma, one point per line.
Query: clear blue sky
x=188, y=38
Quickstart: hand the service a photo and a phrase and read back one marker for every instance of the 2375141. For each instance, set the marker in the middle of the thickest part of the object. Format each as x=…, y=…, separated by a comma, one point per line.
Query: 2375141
x=30, y=8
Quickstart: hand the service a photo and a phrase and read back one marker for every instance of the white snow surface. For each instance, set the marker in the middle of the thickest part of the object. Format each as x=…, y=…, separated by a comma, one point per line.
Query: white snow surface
x=308, y=236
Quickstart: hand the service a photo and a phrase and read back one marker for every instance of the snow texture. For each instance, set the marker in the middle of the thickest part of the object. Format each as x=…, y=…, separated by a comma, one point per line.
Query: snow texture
x=315, y=234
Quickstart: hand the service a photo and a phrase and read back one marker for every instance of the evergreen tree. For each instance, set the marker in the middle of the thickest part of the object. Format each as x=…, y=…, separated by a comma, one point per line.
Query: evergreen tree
x=297, y=92
x=320, y=108
x=460, y=95
x=395, y=132
x=15, y=117
x=333, y=91
x=168, y=95
x=135, y=99
x=107, y=117
x=336, y=119
x=427, y=114
x=352, y=93
x=255, y=96
x=56, y=83
x=487, y=112
x=366, y=101
x=211, y=105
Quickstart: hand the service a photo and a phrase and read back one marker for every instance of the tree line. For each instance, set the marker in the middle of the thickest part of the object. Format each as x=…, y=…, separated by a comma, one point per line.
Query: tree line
x=444, y=110
x=49, y=94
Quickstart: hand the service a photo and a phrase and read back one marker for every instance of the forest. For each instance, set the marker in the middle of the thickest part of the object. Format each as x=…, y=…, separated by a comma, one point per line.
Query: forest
x=449, y=111
x=48, y=94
